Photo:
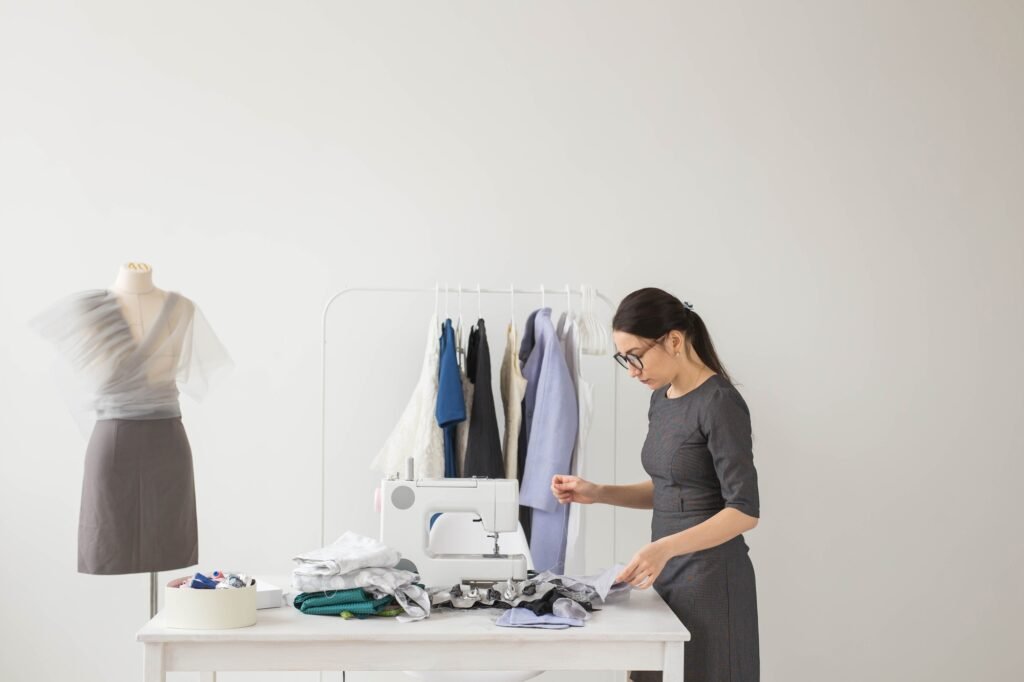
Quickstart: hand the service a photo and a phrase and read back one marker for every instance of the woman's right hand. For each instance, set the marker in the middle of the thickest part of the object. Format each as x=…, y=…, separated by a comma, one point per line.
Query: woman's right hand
x=573, y=489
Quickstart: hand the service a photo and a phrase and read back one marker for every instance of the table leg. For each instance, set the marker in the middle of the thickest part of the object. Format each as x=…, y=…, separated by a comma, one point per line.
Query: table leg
x=673, y=669
x=154, y=663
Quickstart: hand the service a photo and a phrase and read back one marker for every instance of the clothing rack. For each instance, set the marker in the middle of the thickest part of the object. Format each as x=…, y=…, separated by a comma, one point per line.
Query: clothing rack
x=436, y=291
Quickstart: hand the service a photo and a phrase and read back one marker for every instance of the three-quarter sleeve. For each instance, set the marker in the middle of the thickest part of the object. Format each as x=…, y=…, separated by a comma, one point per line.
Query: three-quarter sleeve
x=727, y=427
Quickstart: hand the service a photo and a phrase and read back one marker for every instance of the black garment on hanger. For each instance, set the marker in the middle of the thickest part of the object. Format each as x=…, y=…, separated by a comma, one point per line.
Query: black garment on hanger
x=526, y=344
x=483, y=445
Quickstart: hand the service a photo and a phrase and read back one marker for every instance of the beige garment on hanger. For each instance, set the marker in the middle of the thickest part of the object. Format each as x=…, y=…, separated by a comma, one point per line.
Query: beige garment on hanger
x=462, y=429
x=513, y=389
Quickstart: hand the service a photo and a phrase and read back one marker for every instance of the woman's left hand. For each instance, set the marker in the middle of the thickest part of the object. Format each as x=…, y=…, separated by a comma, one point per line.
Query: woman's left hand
x=646, y=565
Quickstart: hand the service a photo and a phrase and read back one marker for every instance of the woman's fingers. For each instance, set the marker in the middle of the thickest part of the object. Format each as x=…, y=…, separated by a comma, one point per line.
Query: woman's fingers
x=562, y=487
x=626, y=576
x=564, y=482
x=638, y=574
x=640, y=579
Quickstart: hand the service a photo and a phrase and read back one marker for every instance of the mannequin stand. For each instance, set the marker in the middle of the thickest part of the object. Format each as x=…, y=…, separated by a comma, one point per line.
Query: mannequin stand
x=152, y=594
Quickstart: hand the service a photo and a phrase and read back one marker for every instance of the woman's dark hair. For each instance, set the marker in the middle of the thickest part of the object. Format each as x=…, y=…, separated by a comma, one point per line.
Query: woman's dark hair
x=651, y=313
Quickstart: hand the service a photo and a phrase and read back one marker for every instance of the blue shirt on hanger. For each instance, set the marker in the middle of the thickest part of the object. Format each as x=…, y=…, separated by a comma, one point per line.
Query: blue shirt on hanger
x=451, y=404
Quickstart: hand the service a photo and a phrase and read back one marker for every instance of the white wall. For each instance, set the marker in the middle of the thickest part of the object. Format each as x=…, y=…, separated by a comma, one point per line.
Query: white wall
x=835, y=186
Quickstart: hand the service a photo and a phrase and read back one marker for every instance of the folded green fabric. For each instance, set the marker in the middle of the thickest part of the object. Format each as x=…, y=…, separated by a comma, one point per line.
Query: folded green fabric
x=355, y=601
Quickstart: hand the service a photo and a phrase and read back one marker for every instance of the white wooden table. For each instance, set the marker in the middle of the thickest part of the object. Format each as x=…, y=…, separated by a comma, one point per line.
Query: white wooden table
x=641, y=633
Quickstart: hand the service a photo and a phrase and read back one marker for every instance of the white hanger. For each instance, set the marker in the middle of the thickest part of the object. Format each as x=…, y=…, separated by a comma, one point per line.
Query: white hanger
x=437, y=296
x=460, y=348
x=542, y=304
x=460, y=307
x=565, y=319
x=479, y=303
x=446, y=315
x=512, y=303
x=593, y=335
x=585, y=333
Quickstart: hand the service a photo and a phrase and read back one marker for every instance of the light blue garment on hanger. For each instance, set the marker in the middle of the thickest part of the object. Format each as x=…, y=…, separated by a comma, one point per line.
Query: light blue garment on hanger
x=552, y=416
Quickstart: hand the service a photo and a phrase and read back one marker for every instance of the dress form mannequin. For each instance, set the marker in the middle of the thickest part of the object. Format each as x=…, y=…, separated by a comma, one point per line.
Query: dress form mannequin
x=132, y=349
x=141, y=303
x=140, y=300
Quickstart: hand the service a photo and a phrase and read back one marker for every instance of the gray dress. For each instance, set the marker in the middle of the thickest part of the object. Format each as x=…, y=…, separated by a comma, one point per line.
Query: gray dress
x=699, y=454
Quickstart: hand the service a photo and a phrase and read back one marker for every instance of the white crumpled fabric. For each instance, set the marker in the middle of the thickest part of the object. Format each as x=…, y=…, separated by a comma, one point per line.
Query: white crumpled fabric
x=417, y=434
x=349, y=552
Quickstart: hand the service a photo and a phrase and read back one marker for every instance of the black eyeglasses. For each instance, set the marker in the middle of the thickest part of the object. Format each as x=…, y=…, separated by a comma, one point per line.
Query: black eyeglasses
x=627, y=359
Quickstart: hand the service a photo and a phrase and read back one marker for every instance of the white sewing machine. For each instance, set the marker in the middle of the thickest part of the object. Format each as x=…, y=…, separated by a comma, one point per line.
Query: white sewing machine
x=408, y=505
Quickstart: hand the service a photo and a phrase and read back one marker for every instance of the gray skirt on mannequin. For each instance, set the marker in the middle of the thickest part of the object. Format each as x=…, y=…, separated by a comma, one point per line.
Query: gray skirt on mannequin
x=138, y=512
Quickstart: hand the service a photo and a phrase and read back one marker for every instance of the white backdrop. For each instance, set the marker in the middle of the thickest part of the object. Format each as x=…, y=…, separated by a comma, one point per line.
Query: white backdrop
x=834, y=185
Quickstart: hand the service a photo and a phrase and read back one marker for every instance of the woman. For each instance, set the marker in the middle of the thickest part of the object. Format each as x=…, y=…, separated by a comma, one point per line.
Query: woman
x=703, y=487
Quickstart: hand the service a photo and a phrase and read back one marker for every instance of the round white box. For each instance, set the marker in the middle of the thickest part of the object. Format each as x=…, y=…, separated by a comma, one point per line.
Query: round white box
x=193, y=609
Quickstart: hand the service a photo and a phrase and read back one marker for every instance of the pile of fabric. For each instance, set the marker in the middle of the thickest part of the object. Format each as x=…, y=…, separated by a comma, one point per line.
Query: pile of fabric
x=547, y=600
x=355, y=577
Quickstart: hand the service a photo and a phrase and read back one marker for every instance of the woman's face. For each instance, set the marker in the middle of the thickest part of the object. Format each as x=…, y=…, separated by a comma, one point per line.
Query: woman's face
x=659, y=365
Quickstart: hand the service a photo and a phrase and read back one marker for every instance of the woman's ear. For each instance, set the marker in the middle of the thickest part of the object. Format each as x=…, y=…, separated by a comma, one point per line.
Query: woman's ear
x=676, y=342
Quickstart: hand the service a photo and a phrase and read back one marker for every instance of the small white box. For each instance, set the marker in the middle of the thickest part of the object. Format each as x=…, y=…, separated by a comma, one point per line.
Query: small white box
x=268, y=596
x=194, y=609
